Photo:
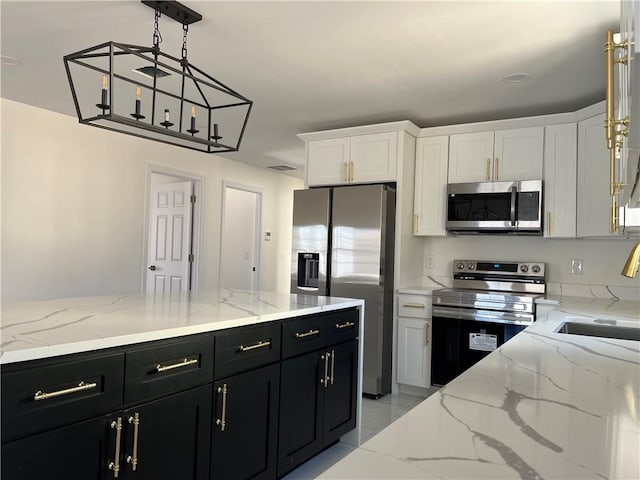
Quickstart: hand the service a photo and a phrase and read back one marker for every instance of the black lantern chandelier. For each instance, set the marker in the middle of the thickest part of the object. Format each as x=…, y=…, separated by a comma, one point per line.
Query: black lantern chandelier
x=147, y=93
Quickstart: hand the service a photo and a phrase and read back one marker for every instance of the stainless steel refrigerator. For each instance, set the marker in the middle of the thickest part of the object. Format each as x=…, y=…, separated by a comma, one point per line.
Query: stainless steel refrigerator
x=343, y=243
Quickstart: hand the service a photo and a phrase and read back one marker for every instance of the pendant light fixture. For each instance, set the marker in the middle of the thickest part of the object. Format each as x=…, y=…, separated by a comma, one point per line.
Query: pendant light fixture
x=144, y=92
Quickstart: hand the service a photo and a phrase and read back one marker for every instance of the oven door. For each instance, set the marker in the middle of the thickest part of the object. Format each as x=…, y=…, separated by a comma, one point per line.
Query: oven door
x=462, y=337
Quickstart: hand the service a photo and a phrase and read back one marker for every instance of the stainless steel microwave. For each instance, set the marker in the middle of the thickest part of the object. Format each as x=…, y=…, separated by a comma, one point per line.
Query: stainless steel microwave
x=495, y=207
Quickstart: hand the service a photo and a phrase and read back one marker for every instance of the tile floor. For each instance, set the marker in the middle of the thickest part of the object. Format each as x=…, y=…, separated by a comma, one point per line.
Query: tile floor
x=376, y=415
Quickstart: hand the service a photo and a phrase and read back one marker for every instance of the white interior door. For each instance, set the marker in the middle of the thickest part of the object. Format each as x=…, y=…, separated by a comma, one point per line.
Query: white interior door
x=239, y=256
x=170, y=238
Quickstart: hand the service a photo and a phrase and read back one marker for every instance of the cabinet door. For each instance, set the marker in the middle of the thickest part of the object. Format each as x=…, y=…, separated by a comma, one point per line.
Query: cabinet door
x=169, y=437
x=340, y=400
x=374, y=157
x=328, y=161
x=594, y=202
x=245, y=430
x=429, y=204
x=471, y=157
x=75, y=452
x=560, y=172
x=414, y=352
x=518, y=154
x=301, y=405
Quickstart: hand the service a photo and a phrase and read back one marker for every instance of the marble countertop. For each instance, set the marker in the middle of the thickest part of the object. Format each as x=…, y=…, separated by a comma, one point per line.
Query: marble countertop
x=50, y=328
x=544, y=405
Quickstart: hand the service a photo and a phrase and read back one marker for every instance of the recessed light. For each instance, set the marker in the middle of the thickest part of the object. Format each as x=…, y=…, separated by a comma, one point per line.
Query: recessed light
x=515, y=78
x=10, y=61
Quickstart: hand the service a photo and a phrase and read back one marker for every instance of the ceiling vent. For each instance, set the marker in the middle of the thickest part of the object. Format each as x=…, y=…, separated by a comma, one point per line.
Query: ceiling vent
x=282, y=168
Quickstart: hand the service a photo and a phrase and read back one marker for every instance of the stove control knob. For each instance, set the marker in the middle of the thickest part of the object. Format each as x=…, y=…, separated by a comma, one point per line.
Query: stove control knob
x=471, y=266
x=460, y=266
x=524, y=268
x=536, y=269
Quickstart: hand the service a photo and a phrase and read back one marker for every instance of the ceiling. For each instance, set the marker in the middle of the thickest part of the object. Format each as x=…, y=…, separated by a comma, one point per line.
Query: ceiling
x=312, y=66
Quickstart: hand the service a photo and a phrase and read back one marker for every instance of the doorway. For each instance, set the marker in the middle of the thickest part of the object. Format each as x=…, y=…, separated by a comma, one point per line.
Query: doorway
x=172, y=234
x=240, y=237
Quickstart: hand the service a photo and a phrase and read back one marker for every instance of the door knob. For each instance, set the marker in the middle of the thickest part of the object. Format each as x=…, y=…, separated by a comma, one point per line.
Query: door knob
x=152, y=268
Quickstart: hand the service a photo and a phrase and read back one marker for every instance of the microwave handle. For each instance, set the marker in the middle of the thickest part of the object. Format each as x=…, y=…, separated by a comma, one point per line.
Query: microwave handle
x=514, y=195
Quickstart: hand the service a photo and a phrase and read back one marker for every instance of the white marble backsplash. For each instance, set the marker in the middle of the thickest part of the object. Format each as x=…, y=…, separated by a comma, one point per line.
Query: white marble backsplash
x=559, y=289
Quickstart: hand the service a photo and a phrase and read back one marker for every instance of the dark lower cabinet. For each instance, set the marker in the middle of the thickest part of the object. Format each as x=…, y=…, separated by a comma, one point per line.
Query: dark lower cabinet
x=245, y=425
x=317, y=402
x=168, y=438
x=76, y=452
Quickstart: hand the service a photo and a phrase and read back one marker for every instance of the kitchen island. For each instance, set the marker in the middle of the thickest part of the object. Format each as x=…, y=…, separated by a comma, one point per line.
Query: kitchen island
x=544, y=405
x=230, y=384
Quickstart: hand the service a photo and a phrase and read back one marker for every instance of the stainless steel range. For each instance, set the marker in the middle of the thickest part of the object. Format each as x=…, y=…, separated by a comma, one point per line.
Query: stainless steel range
x=490, y=302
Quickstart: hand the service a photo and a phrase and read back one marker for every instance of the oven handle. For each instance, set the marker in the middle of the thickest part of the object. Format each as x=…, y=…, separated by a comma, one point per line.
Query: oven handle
x=483, y=315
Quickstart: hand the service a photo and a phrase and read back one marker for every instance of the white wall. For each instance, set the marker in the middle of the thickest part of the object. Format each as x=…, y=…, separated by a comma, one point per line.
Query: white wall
x=73, y=207
x=603, y=259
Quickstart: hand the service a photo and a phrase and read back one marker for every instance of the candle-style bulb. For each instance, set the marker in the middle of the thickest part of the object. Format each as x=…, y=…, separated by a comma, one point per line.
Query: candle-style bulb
x=105, y=82
x=193, y=111
x=166, y=114
x=138, y=93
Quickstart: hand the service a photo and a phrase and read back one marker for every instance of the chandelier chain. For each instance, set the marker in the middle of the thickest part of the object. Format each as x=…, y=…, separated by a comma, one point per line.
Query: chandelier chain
x=185, y=30
x=157, y=38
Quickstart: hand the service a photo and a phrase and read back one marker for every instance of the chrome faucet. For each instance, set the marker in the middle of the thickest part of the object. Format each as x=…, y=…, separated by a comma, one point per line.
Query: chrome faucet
x=630, y=268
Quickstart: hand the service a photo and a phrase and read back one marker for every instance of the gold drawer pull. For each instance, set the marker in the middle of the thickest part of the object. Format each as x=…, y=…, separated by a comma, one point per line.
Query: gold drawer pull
x=488, y=169
x=345, y=325
x=133, y=459
x=260, y=344
x=222, y=422
x=413, y=305
x=115, y=465
x=325, y=380
x=184, y=363
x=40, y=395
x=307, y=334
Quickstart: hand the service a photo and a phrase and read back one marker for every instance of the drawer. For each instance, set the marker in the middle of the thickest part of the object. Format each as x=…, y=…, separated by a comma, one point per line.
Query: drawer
x=167, y=367
x=342, y=325
x=50, y=394
x=241, y=349
x=302, y=335
x=416, y=306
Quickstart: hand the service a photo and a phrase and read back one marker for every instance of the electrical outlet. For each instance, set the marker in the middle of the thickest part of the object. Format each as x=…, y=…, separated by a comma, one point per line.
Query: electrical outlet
x=576, y=266
x=431, y=262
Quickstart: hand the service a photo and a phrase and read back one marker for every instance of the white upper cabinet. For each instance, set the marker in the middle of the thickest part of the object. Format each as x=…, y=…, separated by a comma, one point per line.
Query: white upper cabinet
x=560, y=170
x=471, y=157
x=328, y=161
x=429, y=208
x=594, y=202
x=358, y=159
x=503, y=155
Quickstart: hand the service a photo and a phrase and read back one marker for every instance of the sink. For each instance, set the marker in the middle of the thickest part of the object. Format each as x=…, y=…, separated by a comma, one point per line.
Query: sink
x=605, y=331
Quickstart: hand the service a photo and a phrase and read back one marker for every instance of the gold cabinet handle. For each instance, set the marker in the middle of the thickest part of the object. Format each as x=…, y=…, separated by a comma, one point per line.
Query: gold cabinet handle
x=260, y=344
x=307, y=334
x=496, y=168
x=488, y=169
x=344, y=171
x=184, y=363
x=325, y=378
x=548, y=223
x=133, y=459
x=222, y=422
x=340, y=326
x=115, y=465
x=426, y=335
x=333, y=365
x=351, y=169
x=414, y=305
x=415, y=223
x=82, y=386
